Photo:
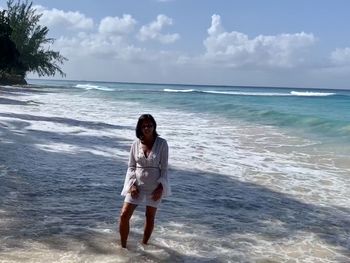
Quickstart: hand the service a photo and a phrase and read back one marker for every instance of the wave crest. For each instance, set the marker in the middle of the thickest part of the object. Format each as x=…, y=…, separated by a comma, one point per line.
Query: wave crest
x=311, y=93
x=242, y=93
x=92, y=87
x=178, y=90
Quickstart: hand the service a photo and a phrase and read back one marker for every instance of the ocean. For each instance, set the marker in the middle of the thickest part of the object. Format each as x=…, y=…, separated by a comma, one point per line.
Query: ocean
x=258, y=174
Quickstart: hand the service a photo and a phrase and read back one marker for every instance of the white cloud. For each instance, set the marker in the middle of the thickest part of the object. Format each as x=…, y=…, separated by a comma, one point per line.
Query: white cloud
x=153, y=30
x=237, y=50
x=72, y=20
x=103, y=47
x=341, y=56
x=116, y=25
x=96, y=45
x=109, y=42
x=216, y=27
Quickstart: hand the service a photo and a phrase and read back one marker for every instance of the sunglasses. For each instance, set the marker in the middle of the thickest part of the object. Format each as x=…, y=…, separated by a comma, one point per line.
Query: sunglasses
x=149, y=126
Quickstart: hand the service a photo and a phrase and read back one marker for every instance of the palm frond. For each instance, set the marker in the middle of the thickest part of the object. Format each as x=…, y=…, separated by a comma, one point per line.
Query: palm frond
x=30, y=39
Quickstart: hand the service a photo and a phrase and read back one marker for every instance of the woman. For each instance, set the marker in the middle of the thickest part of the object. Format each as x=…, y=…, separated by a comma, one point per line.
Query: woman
x=146, y=178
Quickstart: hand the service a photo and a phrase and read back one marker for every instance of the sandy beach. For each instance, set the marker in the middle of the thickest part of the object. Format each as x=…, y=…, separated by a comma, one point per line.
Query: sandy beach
x=242, y=192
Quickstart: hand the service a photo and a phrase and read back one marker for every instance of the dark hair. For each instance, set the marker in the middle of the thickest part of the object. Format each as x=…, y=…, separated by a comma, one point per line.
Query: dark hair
x=142, y=118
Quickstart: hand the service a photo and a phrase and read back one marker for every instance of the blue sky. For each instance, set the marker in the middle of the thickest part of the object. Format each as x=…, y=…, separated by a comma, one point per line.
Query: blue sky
x=252, y=42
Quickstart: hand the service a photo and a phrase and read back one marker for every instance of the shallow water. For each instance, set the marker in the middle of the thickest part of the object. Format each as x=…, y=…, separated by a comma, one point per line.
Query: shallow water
x=243, y=190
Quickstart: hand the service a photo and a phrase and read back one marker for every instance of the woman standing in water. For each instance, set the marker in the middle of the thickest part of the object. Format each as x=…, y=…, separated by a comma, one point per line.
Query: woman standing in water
x=146, y=178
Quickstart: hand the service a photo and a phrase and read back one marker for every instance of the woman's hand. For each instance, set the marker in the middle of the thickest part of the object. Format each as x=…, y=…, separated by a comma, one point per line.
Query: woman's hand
x=134, y=191
x=157, y=193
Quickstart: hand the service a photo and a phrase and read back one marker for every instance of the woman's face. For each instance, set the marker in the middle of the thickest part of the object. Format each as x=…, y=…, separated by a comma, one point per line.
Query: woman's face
x=147, y=128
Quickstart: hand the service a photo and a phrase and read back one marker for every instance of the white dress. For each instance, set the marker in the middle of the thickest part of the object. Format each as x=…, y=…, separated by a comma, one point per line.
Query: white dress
x=149, y=171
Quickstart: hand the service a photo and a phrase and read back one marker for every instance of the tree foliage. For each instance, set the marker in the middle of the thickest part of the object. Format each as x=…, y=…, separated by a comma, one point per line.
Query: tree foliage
x=9, y=55
x=31, y=41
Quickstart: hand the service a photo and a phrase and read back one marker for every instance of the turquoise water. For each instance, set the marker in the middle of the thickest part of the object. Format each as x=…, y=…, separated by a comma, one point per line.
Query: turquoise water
x=318, y=114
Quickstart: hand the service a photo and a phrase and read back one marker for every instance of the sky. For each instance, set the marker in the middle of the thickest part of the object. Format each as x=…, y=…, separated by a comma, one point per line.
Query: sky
x=289, y=43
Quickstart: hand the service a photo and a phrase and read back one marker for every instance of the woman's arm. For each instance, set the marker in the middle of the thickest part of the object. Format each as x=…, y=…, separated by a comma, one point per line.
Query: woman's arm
x=130, y=178
x=163, y=179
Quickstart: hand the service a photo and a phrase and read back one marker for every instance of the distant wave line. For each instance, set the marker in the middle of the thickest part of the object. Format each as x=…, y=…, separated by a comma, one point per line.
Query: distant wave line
x=91, y=87
x=246, y=93
x=292, y=93
x=311, y=93
x=179, y=90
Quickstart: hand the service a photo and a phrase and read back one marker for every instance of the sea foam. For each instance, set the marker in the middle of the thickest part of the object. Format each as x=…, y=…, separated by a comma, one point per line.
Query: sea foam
x=239, y=93
x=92, y=87
x=311, y=93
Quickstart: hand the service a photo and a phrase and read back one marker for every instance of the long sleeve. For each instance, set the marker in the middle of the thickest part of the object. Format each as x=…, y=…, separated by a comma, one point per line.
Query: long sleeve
x=130, y=177
x=163, y=179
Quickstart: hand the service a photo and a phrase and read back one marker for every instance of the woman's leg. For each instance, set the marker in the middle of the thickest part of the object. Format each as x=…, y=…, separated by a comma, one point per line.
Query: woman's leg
x=124, y=228
x=149, y=223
